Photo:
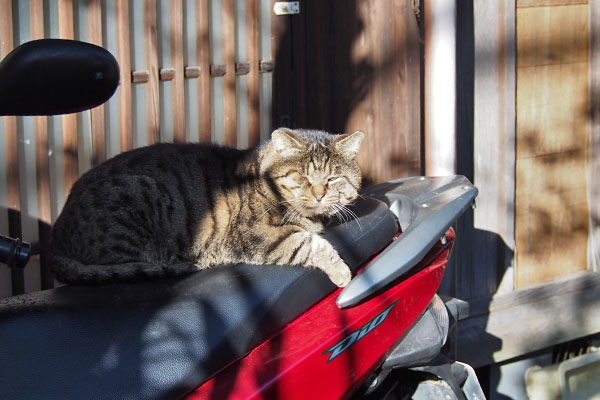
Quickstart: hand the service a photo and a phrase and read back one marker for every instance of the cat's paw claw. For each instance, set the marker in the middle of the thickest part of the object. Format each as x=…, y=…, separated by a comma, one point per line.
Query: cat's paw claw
x=341, y=277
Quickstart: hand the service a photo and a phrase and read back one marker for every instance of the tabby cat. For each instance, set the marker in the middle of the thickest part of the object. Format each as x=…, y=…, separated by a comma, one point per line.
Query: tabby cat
x=171, y=208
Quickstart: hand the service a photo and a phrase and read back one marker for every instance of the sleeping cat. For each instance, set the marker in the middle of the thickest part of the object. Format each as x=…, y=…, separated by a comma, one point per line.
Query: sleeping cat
x=167, y=209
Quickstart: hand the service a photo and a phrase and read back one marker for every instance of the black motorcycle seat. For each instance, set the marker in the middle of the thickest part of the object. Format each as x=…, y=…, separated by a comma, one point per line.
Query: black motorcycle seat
x=163, y=338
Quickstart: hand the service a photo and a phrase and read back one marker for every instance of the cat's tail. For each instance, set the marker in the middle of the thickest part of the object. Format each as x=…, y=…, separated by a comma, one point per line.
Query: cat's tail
x=68, y=270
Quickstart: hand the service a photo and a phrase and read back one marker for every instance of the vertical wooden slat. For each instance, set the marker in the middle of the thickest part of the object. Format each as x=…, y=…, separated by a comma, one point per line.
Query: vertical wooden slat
x=139, y=87
x=97, y=114
x=298, y=114
x=552, y=214
x=55, y=127
x=204, y=109
x=216, y=82
x=253, y=84
x=152, y=94
x=36, y=13
x=191, y=73
x=228, y=28
x=124, y=60
x=282, y=79
x=241, y=73
x=85, y=148
x=111, y=107
x=266, y=92
x=66, y=31
x=178, y=91
x=165, y=63
x=593, y=167
x=11, y=150
x=318, y=68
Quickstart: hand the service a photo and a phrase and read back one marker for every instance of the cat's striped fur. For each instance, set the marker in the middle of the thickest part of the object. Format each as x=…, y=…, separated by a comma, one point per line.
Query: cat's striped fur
x=172, y=208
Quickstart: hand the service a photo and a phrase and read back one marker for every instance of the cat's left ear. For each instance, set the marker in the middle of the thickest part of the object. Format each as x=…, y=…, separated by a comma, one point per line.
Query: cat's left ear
x=286, y=142
x=349, y=144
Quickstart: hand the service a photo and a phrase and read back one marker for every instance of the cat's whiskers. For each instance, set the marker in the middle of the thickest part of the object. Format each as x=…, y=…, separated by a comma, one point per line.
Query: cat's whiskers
x=276, y=205
x=344, y=214
x=289, y=216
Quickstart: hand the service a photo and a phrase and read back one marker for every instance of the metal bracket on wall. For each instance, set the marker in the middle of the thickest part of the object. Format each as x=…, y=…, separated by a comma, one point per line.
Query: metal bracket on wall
x=286, y=8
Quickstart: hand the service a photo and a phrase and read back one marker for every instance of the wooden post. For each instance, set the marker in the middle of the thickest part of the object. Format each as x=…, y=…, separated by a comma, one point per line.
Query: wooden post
x=440, y=87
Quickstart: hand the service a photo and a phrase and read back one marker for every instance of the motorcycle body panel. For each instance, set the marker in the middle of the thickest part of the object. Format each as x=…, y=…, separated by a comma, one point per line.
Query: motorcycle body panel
x=328, y=352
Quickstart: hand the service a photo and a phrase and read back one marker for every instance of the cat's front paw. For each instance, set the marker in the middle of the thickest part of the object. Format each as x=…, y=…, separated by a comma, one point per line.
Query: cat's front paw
x=341, y=275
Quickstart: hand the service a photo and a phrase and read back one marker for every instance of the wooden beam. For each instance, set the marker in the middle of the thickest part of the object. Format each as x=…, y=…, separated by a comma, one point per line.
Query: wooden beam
x=97, y=113
x=151, y=56
x=125, y=91
x=204, y=107
x=510, y=325
x=66, y=31
x=178, y=90
x=229, y=106
x=594, y=146
x=552, y=135
x=253, y=81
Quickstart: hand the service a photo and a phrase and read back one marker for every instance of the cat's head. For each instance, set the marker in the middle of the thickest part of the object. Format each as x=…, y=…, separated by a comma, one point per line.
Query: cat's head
x=314, y=172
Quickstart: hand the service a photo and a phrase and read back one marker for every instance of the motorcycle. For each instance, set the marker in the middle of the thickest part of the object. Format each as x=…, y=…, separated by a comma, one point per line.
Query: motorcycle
x=239, y=331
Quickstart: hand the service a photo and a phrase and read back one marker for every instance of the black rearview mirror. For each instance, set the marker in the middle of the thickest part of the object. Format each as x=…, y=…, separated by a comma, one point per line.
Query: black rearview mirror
x=56, y=76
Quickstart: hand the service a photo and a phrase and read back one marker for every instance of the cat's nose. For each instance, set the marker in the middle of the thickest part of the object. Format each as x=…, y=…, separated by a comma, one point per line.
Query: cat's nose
x=319, y=193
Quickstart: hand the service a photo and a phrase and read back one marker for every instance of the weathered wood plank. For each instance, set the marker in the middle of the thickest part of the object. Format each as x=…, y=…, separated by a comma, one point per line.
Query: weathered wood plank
x=253, y=74
x=124, y=60
x=97, y=113
x=151, y=59
x=215, y=36
x=229, y=106
x=531, y=319
x=550, y=3
x=69, y=121
x=178, y=91
x=486, y=249
x=282, y=78
x=551, y=221
x=384, y=95
x=594, y=160
x=265, y=97
x=42, y=163
x=204, y=107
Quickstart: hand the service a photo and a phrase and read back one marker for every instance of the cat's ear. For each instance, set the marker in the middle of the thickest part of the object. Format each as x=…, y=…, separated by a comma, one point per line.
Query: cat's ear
x=349, y=144
x=286, y=142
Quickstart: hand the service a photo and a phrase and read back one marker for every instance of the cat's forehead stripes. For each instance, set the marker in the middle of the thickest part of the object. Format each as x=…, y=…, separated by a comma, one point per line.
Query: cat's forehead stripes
x=319, y=165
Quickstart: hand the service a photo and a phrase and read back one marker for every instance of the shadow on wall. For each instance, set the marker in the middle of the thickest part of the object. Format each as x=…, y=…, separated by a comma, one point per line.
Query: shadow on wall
x=355, y=67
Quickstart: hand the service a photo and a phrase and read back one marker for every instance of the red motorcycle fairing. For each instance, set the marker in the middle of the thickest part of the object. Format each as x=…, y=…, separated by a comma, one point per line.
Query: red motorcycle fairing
x=329, y=352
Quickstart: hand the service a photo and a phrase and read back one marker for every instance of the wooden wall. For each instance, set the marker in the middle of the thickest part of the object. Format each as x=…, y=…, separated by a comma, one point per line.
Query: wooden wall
x=191, y=70
x=553, y=132
x=527, y=257
x=199, y=70
x=352, y=67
